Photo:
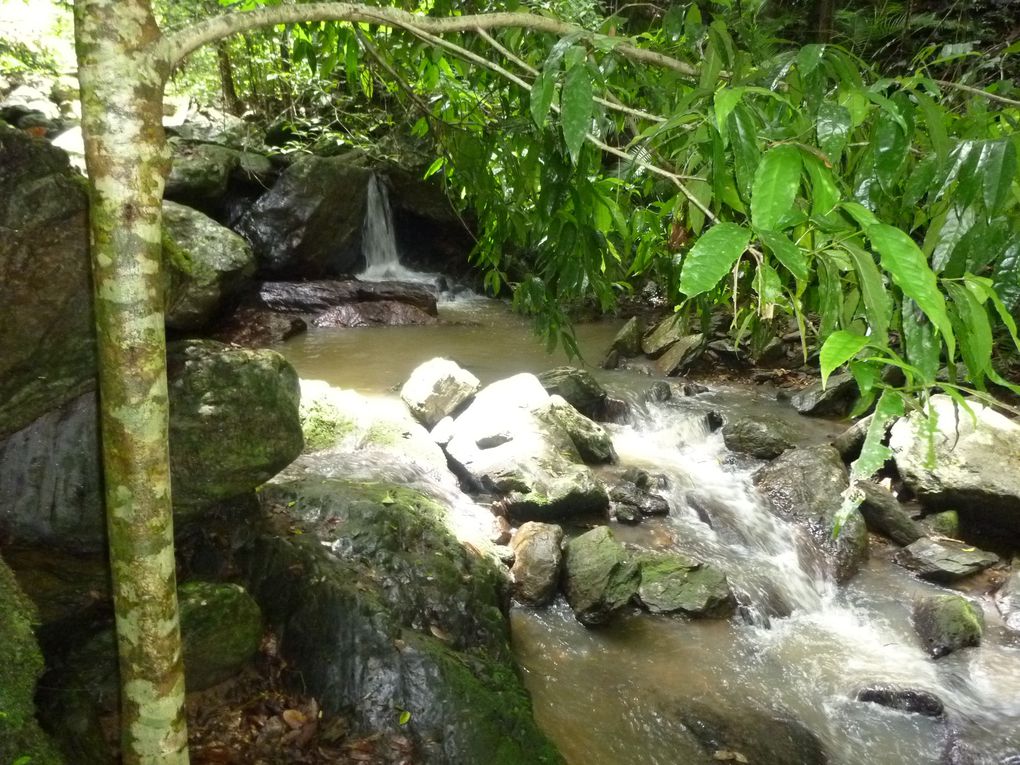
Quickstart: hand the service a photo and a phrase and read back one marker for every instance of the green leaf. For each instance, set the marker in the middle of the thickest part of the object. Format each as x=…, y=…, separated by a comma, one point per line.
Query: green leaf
x=743, y=134
x=775, y=187
x=861, y=214
x=435, y=167
x=1007, y=277
x=877, y=303
x=725, y=101
x=997, y=166
x=890, y=142
x=973, y=330
x=984, y=290
x=906, y=264
x=923, y=349
x=874, y=454
x=830, y=295
x=787, y=253
x=404, y=718
x=838, y=349
x=576, y=104
x=935, y=125
x=833, y=129
x=824, y=192
x=542, y=97
x=712, y=257
x=808, y=58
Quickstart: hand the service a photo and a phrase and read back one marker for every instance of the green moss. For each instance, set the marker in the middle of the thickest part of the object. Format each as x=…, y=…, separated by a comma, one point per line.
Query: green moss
x=324, y=425
x=221, y=628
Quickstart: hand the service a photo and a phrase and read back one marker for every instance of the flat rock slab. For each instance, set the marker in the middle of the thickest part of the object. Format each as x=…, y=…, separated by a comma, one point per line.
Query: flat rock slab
x=944, y=560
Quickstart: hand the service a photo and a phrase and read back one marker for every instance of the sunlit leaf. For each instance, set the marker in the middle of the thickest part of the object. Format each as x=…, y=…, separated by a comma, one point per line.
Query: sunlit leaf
x=712, y=257
x=775, y=187
x=576, y=104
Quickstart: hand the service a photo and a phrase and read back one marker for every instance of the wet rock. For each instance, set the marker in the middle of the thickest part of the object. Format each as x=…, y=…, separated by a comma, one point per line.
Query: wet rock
x=255, y=327
x=437, y=389
x=944, y=524
x=379, y=608
x=208, y=124
x=658, y=391
x=309, y=223
x=805, y=486
x=24, y=100
x=67, y=589
x=944, y=560
x=748, y=735
x=221, y=628
x=762, y=437
x=668, y=331
x=47, y=345
x=946, y=623
x=630, y=502
x=21, y=664
x=249, y=400
x=850, y=441
x=316, y=297
x=884, y=514
x=681, y=354
x=592, y=441
x=835, y=399
x=627, y=342
x=509, y=442
x=200, y=173
x=614, y=410
x=206, y=263
x=977, y=464
x=913, y=700
x=672, y=583
x=580, y=389
x=536, y=569
x=600, y=576
x=1007, y=599
x=379, y=313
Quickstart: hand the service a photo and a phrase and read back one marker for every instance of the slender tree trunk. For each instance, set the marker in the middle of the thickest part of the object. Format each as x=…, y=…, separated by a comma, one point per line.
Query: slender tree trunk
x=822, y=19
x=127, y=158
x=230, y=99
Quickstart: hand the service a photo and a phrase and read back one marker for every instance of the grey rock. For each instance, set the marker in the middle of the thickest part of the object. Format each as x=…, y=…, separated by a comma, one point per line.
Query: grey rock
x=628, y=340
x=577, y=386
x=850, y=441
x=913, y=700
x=944, y=560
x=200, y=173
x=946, y=623
x=663, y=335
x=681, y=354
x=378, y=313
x=437, y=389
x=884, y=515
x=536, y=569
x=590, y=439
x=762, y=437
x=316, y=297
x=672, y=583
x=600, y=576
x=25, y=99
x=943, y=524
x=834, y=399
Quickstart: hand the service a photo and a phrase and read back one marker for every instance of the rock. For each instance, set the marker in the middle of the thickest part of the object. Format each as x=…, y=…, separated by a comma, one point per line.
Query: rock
x=379, y=609
x=884, y=514
x=47, y=345
x=221, y=628
x=627, y=342
x=600, y=577
x=309, y=223
x=1007, y=599
x=508, y=442
x=25, y=99
x=580, y=389
x=680, y=354
x=72, y=142
x=437, y=389
x=210, y=125
x=913, y=700
x=380, y=313
x=762, y=437
x=592, y=441
x=21, y=664
x=658, y=391
x=255, y=327
x=946, y=623
x=977, y=464
x=249, y=400
x=316, y=297
x=67, y=589
x=849, y=442
x=663, y=335
x=671, y=583
x=944, y=524
x=629, y=502
x=835, y=399
x=536, y=569
x=944, y=560
x=206, y=263
x=805, y=486
x=200, y=173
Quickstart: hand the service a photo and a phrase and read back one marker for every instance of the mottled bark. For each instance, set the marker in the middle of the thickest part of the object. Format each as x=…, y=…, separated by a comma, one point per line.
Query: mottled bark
x=226, y=69
x=127, y=157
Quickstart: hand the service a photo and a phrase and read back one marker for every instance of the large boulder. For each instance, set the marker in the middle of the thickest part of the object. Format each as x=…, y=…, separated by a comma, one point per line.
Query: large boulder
x=509, y=444
x=944, y=560
x=599, y=576
x=592, y=441
x=834, y=398
x=47, y=345
x=21, y=663
x=805, y=486
x=537, y=559
x=977, y=463
x=947, y=623
x=667, y=332
x=578, y=387
x=317, y=297
x=382, y=611
x=436, y=389
x=681, y=354
x=200, y=173
x=206, y=263
x=760, y=436
x=671, y=583
x=309, y=223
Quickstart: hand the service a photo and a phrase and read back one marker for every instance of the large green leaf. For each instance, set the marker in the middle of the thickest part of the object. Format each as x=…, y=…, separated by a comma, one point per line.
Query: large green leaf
x=833, y=129
x=905, y=263
x=923, y=348
x=712, y=257
x=998, y=170
x=725, y=100
x=830, y=295
x=973, y=330
x=744, y=142
x=838, y=349
x=775, y=187
x=824, y=192
x=1007, y=277
x=576, y=105
x=542, y=97
x=874, y=453
x=876, y=299
x=787, y=253
x=890, y=143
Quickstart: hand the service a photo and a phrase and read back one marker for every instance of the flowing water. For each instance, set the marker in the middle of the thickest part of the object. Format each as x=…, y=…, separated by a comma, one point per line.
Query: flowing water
x=800, y=647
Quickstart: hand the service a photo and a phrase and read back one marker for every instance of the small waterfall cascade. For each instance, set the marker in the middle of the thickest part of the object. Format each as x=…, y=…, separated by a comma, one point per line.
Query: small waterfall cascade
x=379, y=240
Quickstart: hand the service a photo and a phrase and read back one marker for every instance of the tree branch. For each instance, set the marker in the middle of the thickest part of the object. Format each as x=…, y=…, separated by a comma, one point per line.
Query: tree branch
x=173, y=48
x=978, y=92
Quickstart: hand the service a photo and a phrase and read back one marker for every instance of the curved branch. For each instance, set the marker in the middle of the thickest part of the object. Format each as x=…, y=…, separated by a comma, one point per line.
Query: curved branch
x=173, y=48
x=978, y=92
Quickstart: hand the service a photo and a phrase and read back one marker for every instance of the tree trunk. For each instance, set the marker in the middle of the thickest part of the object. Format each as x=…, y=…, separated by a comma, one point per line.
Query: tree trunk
x=127, y=158
x=822, y=18
x=230, y=99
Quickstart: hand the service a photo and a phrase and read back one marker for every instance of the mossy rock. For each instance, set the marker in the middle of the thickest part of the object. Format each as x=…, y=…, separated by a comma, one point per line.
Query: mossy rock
x=21, y=664
x=946, y=623
x=671, y=583
x=600, y=576
x=221, y=628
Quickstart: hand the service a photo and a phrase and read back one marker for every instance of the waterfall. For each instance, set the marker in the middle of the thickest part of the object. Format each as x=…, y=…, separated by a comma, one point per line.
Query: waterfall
x=378, y=239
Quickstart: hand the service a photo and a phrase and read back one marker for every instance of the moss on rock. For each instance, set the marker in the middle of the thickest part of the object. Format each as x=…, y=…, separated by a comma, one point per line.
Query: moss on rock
x=946, y=623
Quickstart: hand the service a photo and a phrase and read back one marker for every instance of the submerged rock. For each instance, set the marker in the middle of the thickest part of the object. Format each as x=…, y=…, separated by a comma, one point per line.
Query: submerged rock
x=437, y=389
x=671, y=583
x=946, y=623
x=378, y=313
x=536, y=569
x=762, y=437
x=600, y=576
x=630, y=501
x=21, y=664
x=885, y=515
x=944, y=560
x=913, y=700
x=835, y=398
x=381, y=610
x=805, y=486
x=578, y=387
x=977, y=463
